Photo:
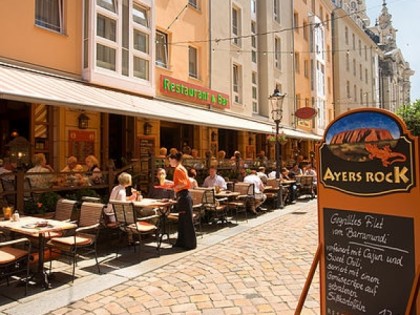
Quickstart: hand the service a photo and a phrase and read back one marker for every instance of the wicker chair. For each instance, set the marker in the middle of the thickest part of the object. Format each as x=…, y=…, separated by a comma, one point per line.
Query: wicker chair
x=214, y=208
x=84, y=237
x=14, y=259
x=135, y=222
x=245, y=201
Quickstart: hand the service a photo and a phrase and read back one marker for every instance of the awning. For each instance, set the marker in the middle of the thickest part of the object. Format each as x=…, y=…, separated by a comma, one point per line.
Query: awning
x=37, y=87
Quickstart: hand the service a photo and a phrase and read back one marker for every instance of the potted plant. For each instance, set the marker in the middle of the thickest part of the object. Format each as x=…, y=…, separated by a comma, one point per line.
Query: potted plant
x=281, y=137
x=43, y=205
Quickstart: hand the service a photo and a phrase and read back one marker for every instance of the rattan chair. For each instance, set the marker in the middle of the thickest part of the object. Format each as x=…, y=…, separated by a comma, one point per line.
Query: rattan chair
x=245, y=201
x=136, y=222
x=83, y=240
x=214, y=208
x=14, y=259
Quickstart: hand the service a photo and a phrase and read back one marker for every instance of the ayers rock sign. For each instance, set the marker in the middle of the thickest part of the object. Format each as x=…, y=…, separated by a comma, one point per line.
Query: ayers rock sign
x=369, y=215
x=368, y=154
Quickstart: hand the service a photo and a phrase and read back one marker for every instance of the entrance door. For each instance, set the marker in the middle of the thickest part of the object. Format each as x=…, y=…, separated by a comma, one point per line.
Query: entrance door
x=121, y=139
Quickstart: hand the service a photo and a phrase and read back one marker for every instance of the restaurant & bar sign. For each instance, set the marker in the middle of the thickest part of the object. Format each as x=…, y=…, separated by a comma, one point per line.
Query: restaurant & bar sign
x=192, y=93
x=369, y=215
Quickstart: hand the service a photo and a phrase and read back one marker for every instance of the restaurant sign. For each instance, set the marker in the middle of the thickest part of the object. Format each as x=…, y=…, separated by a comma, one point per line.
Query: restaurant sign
x=367, y=153
x=193, y=93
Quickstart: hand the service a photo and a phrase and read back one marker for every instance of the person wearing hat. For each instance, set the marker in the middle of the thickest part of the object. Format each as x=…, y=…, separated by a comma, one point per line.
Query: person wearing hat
x=262, y=175
x=260, y=197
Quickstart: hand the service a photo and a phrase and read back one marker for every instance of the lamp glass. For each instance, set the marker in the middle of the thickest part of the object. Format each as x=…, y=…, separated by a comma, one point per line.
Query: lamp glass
x=276, y=100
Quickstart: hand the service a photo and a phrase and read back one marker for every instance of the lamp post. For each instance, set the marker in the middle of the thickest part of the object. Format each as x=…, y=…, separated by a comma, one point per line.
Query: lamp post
x=277, y=114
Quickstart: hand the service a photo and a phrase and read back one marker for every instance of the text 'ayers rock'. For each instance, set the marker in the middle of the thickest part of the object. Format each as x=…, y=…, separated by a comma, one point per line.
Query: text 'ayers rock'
x=361, y=135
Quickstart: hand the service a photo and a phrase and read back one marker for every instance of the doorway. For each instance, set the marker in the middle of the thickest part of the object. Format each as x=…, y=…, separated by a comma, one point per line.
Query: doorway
x=177, y=136
x=121, y=139
x=15, y=120
x=228, y=141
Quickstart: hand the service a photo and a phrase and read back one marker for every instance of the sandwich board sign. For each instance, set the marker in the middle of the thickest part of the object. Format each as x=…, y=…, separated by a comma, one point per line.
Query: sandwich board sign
x=369, y=215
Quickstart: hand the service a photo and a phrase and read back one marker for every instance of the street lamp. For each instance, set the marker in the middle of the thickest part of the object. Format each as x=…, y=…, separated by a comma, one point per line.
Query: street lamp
x=277, y=114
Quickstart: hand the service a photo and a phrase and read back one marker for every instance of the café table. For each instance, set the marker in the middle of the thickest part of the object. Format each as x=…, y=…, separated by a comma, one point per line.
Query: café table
x=38, y=228
x=163, y=208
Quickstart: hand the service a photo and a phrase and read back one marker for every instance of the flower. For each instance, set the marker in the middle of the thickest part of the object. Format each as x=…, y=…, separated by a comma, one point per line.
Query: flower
x=282, y=138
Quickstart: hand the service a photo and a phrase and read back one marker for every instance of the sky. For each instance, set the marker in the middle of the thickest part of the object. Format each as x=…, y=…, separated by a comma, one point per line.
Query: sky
x=405, y=18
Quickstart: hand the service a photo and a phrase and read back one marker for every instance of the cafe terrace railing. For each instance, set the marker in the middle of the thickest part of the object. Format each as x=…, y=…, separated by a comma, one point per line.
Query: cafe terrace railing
x=142, y=170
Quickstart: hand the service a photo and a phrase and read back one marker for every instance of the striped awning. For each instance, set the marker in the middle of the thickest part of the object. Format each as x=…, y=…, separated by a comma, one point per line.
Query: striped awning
x=32, y=86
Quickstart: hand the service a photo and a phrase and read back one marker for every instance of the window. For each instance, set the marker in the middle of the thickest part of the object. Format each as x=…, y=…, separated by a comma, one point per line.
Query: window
x=354, y=67
x=296, y=22
x=276, y=10
x=254, y=6
x=346, y=35
x=360, y=47
x=348, y=89
x=105, y=57
x=141, y=41
x=305, y=30
x=108, y=4
x=360, y=72
x=366, y=76
x=194, y=3
x=161, y=49
x=353, y=37
x=306, y=68
x=277, y=53
x=297, y=62
x=140, y=15
x=236, y=83
x=49, y=14
x=253, y=42
x=347, y=62
x=123, y=38
x=106, y=28
x=141, y=68
x=236, y=26
x=254, y=93
x=192, y=62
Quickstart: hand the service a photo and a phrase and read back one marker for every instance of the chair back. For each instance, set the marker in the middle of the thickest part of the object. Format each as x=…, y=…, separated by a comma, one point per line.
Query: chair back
x=197, y=196
x=306, y=181
x=273, y=182
x=90, y=213
x=64, y=209
x=123, y=211
x=244, y=188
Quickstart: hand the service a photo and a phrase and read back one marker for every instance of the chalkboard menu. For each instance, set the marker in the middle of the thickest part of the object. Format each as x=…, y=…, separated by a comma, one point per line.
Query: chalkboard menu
x=369, y=262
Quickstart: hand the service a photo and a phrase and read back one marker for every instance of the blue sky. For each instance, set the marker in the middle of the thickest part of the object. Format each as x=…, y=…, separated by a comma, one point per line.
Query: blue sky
x=405, y=18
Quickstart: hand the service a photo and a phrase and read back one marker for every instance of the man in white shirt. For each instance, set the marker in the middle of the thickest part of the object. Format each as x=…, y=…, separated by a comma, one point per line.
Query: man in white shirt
x=214, y=180
x=260, y=197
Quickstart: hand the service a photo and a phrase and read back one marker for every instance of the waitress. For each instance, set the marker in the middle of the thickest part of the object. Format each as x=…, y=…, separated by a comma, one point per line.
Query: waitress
x=186, y=233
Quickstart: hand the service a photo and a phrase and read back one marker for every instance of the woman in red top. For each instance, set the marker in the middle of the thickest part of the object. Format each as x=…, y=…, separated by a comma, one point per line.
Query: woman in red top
x=186, y=233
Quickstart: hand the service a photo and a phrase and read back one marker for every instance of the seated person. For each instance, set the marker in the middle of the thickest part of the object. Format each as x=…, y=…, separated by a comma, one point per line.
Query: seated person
x=295, y=171
x=192, y=174
x=93, y=171
x=119, y=192
x=214, y=180
x=262, y=175
x=260, y=197
x=40, y=166
x=284, y=176
x=71, y=178
x=162, y=189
